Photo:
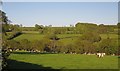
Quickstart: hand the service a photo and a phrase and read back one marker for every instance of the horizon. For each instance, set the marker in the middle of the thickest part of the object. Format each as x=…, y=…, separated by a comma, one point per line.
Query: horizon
x=60, y=14
x=68, y=25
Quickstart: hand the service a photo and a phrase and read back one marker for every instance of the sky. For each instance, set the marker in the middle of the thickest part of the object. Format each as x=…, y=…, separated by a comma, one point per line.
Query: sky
x=61, y=13
x=61, y=0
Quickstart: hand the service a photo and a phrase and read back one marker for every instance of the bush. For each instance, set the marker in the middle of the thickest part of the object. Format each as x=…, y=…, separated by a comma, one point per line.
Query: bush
x=109, y=46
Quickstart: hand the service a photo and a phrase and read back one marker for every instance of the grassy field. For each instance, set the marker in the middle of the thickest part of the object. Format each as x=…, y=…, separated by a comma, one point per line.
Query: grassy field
x=36, y=36
x=61, y=61
x=30, y=37
x=115, y=36
x=65, y=38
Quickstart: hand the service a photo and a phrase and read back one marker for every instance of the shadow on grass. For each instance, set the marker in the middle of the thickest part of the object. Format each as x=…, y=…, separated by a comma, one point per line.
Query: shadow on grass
x=14, y=65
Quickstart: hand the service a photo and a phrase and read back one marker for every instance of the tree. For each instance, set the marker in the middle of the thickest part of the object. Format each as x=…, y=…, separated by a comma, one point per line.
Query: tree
x=85, y=27
x=51, y=36
x=38, y=45
x=80, y=27
x=102, y=29
x=91, y=36
x=4, y=22
x=59, y=46
x=3, y=28
x=12, y=44
x=25, y=44
x=63, y=49
x=84, y=46
x=108, y=46
x=39, y=26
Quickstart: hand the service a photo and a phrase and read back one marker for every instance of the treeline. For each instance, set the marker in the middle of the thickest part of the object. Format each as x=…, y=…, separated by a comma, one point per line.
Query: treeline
x=79, y=28
x=88, y=43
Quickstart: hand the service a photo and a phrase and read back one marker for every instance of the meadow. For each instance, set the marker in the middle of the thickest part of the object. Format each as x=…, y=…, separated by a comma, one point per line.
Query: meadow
x=26, y=60
x=60, y=61
x=65, y=37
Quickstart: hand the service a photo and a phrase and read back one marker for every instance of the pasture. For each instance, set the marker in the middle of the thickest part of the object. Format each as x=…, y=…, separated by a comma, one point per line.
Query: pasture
x=25, y=60
x=29, y=36
x=33, y=35
x=60, y=61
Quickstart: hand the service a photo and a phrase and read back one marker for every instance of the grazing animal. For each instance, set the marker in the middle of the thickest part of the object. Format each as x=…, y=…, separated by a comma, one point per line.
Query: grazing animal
x=10, y=50
x=100, y=54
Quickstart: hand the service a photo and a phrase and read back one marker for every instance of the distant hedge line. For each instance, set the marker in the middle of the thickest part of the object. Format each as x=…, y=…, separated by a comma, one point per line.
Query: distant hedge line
x=13, y=35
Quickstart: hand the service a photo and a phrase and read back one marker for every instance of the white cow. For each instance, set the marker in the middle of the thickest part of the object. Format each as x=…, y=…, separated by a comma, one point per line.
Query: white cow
x=10, y=50
x=100, y=54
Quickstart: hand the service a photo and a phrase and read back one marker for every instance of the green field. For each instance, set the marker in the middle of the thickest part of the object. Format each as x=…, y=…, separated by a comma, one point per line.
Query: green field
x=61, y=61
x=66, y=37
x=115, y=36
x=30, y=37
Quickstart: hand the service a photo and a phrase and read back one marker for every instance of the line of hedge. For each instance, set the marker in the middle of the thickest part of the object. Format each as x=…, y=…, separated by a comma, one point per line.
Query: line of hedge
x=13, y=35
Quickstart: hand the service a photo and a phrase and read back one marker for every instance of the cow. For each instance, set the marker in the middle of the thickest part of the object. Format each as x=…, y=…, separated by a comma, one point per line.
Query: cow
x=100, y=54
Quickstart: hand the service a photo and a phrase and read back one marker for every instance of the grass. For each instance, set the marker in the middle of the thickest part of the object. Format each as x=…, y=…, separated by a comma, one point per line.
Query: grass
x=68, y=35
x=36, y=36
x=30, y=32
x=62, y=61
x=65, y=37
x=104, y=36
x=30, y=37
x=68, y=40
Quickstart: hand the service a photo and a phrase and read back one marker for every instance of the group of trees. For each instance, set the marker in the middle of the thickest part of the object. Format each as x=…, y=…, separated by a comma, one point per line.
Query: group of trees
x=85, y=44
x=79, y=28
x=109, y=46
x=89, y=42
x=101, y=29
